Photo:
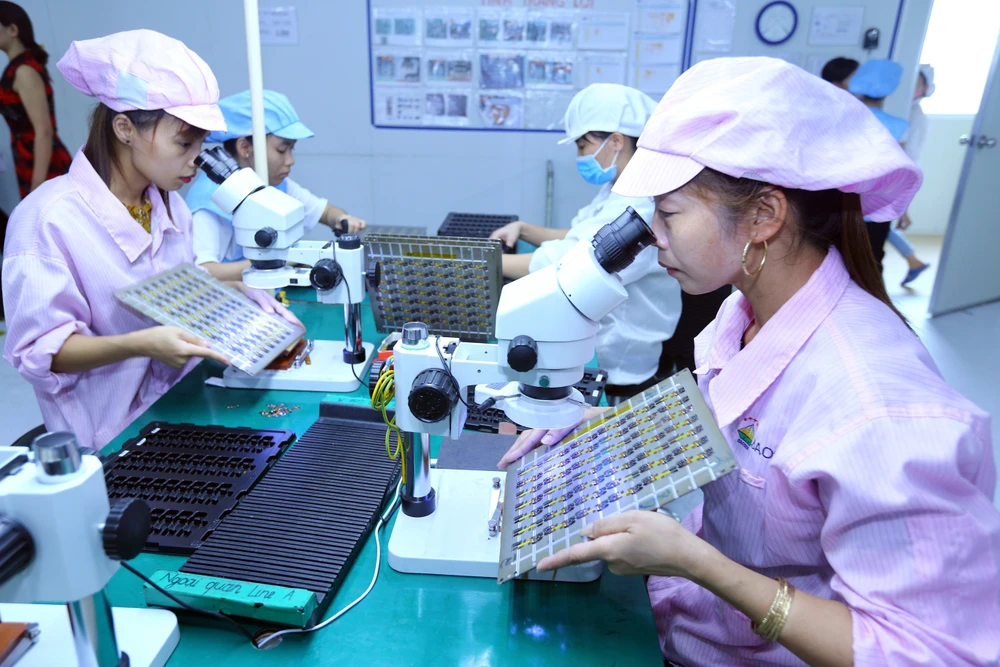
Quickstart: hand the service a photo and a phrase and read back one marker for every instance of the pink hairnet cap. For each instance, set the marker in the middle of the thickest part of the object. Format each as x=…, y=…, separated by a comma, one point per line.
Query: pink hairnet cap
x=765, y=119
x=143, y=69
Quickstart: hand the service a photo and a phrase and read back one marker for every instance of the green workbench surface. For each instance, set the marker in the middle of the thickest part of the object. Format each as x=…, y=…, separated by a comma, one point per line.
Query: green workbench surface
x=407, y=619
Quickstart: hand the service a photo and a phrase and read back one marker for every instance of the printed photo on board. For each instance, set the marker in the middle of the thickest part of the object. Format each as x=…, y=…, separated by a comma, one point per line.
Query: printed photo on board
x=501, y=71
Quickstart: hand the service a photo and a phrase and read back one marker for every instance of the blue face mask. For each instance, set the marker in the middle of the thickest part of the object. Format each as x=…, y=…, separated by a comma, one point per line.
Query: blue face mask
x=591, y=169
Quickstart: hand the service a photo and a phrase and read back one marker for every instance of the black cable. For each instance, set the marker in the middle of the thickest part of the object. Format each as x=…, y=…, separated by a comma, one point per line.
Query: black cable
x=204, y=612
x=447, y=369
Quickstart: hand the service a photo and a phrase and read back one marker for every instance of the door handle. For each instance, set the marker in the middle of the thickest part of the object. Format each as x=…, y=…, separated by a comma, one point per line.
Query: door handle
x=966, y=139
x=986, y=142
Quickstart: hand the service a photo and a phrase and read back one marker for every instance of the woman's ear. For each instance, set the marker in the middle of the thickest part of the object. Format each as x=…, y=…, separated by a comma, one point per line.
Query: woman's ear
x=618, y=141
x=244, y=147
x=769, y=214
x=123, y=128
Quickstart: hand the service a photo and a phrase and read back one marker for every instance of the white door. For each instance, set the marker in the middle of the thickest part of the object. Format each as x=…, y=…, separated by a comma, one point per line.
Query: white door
x=969, y=272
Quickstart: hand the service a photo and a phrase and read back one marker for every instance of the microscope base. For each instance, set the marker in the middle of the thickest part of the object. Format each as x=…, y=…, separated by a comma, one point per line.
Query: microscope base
x=327, y=372
x=148, y=636
x=454, y=540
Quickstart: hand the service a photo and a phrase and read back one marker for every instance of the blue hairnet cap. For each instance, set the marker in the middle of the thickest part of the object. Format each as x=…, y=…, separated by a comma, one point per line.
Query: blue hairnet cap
x=280, y=118
x=875, y=78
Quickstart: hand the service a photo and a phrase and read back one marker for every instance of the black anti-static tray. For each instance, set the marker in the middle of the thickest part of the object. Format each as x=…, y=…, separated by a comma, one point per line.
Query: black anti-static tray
x=304, y=524
x=475, y=225
x=488, y=421
x=190, y=476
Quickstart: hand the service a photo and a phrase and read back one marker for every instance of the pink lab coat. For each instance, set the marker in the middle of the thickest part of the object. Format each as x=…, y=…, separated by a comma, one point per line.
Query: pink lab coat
x=864, y=478
x=69, y=246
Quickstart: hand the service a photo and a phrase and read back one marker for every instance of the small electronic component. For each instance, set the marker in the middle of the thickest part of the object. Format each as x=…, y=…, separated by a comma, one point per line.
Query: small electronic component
x=649, y=451
x=194, y=301
x=278, y=410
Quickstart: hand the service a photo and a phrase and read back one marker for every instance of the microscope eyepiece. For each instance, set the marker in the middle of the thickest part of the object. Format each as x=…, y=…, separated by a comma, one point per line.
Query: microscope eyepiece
x=618, y=243
x=217, y=164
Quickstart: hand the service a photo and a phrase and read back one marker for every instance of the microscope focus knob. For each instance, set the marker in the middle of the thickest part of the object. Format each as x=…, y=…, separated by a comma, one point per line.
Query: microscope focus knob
x=414, y=333
x=265, y=237
x=326, y=274
x=17, y=549
x=432, y=395
x=374, y=275
x=349, y=242
x=126, y=529
x=522, y=355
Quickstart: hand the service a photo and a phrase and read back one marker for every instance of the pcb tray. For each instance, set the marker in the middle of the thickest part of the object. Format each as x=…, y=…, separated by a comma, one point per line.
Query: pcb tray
x=488, y=421
x=398, y=230
x=304, y=524
x=205, y=307
x=450, y=284
x=648, y=451
x=190, y=476
x=475, y=225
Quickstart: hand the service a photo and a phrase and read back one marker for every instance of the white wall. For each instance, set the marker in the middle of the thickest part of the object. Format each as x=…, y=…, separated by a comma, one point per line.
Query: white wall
x=909, y=44
x=393, y=177
x=942, y=165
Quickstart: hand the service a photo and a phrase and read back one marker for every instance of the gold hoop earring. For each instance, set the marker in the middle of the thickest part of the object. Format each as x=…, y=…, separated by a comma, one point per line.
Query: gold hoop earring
x=763, y=259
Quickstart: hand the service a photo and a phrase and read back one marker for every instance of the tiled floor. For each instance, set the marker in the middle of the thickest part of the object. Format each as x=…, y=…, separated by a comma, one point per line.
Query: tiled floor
x=964, y=345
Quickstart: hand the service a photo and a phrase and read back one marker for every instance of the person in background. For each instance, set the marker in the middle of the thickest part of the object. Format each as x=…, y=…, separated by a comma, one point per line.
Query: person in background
x=873, y=81
x=917, y=136
x=603, y=120
x=115, y=219
x=26, y=103
x=839, y=71
x=859, y=527
x=913, y=144
x=215, y=245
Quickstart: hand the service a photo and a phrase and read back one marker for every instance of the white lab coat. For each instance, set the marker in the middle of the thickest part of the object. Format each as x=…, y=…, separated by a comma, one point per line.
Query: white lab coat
x=214, y=238
x=629, y=340
x=913, y=143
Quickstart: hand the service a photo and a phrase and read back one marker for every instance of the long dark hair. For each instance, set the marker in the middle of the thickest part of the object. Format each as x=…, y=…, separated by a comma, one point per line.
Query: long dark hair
x=14, y=14
x=839, y=69
x=102, y=144
x=825, y=218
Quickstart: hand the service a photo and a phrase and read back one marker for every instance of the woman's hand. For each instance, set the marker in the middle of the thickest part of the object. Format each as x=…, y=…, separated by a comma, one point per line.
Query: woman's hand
x=173, y=346
x=509, y=233
x=904, y=221
x=539, y=437
x=637, y=542
x=266, y=302
x=354, y=225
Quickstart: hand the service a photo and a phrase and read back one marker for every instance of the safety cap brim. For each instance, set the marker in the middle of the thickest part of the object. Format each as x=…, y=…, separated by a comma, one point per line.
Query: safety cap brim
x=651, y=173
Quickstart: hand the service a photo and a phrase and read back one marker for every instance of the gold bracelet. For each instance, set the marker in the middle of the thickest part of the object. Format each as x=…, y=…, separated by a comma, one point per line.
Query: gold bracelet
x=781, y=615
x=774, y=621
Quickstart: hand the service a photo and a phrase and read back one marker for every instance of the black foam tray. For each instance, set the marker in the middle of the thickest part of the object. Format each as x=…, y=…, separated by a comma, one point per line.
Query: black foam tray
x=304, y=524
x=190, y=476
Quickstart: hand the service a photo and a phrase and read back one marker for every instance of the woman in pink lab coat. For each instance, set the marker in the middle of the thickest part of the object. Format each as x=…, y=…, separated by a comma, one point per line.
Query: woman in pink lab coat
x=113, y=220
x=860, y=527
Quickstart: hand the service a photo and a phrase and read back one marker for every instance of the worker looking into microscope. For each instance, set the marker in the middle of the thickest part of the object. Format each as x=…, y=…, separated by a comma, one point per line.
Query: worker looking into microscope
x=604, y=121
x=215, y=245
